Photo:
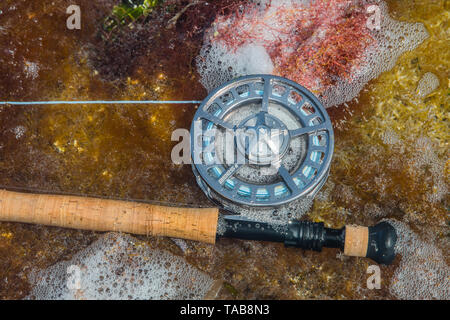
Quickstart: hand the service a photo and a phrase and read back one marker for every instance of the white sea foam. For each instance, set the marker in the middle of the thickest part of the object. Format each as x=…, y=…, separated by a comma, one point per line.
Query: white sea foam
x=427, y=84
x=422, y=273
x=118, y=266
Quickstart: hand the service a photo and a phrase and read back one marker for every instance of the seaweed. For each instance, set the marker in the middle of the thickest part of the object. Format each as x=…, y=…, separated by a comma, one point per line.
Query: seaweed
x=126, y=14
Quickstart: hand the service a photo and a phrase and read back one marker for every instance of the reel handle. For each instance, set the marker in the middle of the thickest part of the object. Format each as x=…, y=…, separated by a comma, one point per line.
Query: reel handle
x=109, y=215
x=376, y=242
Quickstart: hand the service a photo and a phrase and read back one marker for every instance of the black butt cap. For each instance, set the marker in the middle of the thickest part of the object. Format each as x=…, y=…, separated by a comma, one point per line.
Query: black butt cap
x=382, y=240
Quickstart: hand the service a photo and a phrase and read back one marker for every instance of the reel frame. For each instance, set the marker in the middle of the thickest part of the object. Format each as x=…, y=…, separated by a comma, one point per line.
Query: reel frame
x=219, y=180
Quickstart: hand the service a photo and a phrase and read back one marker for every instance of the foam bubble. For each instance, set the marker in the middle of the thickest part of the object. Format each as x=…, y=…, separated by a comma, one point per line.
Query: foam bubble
x=422, y=273
x=393, y=39
x=19, y=131
x=31, y=69
x=427, y=84
x=248, y=59
x=118, y=266
x=238, y=45
x=425, y=157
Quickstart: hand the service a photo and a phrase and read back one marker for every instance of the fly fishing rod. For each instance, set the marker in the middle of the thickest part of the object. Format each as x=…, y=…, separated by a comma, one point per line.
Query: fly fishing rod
x=199, y=224
x=261, y=148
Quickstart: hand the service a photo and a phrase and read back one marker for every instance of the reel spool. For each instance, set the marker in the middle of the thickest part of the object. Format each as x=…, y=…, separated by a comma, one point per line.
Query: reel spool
x=262, y=147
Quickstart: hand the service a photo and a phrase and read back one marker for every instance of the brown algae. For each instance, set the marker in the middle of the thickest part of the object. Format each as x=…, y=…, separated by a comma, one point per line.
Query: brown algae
x=391, y=153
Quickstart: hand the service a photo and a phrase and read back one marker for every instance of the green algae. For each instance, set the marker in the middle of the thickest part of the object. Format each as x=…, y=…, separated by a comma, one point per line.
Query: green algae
x=126, y=13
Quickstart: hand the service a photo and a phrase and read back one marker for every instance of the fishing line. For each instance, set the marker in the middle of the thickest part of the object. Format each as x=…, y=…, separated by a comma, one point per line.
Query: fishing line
x=21, y=103
x=30, y=189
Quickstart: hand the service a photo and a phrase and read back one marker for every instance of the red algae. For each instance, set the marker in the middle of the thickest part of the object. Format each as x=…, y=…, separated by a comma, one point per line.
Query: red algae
x=315, y=43
x=333, y=48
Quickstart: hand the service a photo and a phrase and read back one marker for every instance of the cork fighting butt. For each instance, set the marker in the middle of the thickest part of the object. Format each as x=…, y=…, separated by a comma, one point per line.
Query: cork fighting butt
x=376, y=243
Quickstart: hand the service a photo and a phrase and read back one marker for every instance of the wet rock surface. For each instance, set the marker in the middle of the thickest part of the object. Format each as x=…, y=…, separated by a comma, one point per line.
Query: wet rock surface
x=390, y=156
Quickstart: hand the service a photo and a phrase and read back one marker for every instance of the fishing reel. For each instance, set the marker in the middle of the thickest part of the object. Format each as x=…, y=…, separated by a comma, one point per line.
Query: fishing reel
x=266, y=147
x=261, y=149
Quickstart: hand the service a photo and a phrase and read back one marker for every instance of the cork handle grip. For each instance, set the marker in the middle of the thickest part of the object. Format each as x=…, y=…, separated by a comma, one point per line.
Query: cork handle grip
x=109, y=215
